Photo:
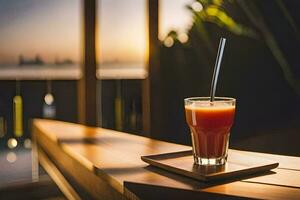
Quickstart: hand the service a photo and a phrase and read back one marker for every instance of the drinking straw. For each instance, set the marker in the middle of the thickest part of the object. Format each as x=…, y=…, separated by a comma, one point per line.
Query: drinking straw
x=217, y=69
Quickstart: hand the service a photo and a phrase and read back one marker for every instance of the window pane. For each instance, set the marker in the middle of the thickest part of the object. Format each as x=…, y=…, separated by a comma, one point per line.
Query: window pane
x=122, y=34
x=121, y=55
x=39, y=33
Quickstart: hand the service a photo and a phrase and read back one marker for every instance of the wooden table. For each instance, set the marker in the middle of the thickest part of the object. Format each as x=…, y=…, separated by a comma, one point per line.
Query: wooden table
x=107, y=165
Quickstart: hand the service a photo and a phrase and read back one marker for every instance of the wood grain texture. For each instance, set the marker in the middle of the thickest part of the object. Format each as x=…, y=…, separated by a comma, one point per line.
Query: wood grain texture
x=87, y=85
x=81, y=170
x=234, y=190
x=57, y=177
x=107, y=164
x=183, y=163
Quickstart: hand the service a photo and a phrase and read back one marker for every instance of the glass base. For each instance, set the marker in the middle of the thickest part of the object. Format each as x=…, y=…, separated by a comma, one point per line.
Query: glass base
x=210, y=161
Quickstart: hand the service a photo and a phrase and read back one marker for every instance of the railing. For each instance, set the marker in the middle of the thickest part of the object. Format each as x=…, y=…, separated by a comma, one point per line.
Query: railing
x=119, y=99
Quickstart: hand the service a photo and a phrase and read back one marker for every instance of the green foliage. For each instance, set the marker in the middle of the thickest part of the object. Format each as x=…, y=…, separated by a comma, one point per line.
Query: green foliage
x=216, y=12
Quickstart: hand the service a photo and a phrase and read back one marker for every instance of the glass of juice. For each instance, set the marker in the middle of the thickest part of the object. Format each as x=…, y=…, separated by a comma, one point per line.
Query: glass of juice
x=210, y=124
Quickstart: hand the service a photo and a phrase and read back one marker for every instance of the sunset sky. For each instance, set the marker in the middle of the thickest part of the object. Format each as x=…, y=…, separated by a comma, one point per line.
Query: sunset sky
x=48, y=27
x=52, y=28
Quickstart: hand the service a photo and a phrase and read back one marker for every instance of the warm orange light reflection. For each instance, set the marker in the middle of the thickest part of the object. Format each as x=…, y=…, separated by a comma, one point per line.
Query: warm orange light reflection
x=52, y=30
x=49, y=29
x=123, y=34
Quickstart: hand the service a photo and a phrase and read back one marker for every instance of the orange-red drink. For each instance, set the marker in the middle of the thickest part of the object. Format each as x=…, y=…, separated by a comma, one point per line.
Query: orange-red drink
x=210, y=124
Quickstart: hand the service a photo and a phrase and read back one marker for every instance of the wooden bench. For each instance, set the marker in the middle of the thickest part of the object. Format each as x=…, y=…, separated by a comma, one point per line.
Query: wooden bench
x=106, y=164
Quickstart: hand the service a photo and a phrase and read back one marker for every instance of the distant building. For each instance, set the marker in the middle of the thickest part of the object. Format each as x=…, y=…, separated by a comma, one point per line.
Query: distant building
x=63, y=62
x=36, y=61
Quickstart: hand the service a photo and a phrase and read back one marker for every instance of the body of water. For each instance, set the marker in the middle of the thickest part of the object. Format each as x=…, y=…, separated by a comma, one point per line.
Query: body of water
x=72, y=71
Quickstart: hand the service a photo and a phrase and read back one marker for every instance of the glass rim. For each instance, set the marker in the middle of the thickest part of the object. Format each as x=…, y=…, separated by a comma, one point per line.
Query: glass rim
x=217, y=99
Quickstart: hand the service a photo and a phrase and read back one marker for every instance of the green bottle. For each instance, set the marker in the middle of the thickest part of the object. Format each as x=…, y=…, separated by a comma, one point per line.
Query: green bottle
x=18, y=112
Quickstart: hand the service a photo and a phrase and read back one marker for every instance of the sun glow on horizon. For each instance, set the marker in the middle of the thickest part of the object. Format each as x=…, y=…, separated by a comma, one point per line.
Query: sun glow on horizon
x=122, y=35
x=41, y=28
x=52, y=29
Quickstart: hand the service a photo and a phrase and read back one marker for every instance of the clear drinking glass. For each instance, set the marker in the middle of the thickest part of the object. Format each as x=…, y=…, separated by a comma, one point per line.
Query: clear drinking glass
x=210, y=124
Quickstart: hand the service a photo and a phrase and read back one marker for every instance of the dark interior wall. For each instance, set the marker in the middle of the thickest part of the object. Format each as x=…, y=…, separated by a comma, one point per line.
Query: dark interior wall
x=264, y=98
x=33, y=92
x=130, y=94
x=266, y=102
x=65, y=95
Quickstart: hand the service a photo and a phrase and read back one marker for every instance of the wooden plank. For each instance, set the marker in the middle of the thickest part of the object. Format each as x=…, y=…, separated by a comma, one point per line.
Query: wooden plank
x=57, y=177
x=257, y=191
x=281, y=177
x=82, y=172
x=96, y=156
x=234, y=190
x=285, y=162
x=153, y=122
x=152, y=67
x=150, y=192
x=87, y=101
